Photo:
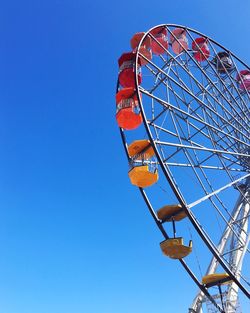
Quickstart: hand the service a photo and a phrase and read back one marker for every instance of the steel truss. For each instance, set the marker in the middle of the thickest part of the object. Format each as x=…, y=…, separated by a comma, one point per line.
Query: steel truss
x=238, y=248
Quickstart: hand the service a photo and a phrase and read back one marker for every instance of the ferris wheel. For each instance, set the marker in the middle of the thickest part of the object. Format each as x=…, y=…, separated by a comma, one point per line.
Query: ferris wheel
x=183, y=112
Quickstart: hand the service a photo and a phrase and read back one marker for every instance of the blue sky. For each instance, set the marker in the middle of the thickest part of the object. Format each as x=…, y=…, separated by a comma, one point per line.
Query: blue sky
x=75, y=236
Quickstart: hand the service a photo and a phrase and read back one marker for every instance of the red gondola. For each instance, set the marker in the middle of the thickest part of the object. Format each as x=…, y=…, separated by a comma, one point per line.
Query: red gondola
x=135, y=40
x=244, y=80
x=144, y=48
x=160, y=34
x=127, y=68
x=179, y=40
x=201, y=49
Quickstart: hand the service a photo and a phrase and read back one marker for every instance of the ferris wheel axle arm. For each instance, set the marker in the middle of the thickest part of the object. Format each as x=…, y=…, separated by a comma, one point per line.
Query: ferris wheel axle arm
x=232, y=162
x=199, y=130
x=201, y=166
x=193, y=144
x=201, y=148
x=171, y=106
x=191, y=205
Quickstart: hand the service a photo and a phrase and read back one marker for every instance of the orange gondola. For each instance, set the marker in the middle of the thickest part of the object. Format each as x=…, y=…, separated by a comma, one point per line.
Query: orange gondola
x=143, y=173
x=128, y=115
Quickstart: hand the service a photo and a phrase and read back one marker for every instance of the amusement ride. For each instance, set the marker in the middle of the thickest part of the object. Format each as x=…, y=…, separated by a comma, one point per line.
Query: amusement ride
x=182, y=105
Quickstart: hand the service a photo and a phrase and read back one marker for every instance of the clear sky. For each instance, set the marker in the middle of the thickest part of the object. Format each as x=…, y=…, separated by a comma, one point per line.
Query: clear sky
x=75, y=236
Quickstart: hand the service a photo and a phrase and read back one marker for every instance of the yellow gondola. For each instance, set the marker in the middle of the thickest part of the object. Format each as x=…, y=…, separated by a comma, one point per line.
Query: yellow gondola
x=216, y=279
x=171, y=212
x=175, y=249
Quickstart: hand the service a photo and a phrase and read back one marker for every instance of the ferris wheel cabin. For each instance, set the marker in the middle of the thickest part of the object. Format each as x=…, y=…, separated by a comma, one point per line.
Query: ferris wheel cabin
x=171, y=212
x=159, y=41
x=179, y=41
x=127, y=70
x=223, y=63
x=144, y=50
x=128, y=115
x=201, y=49
x=174, y=247
x=143, y=172
x=135, y=40
x=243, y=79
x=211, y=280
